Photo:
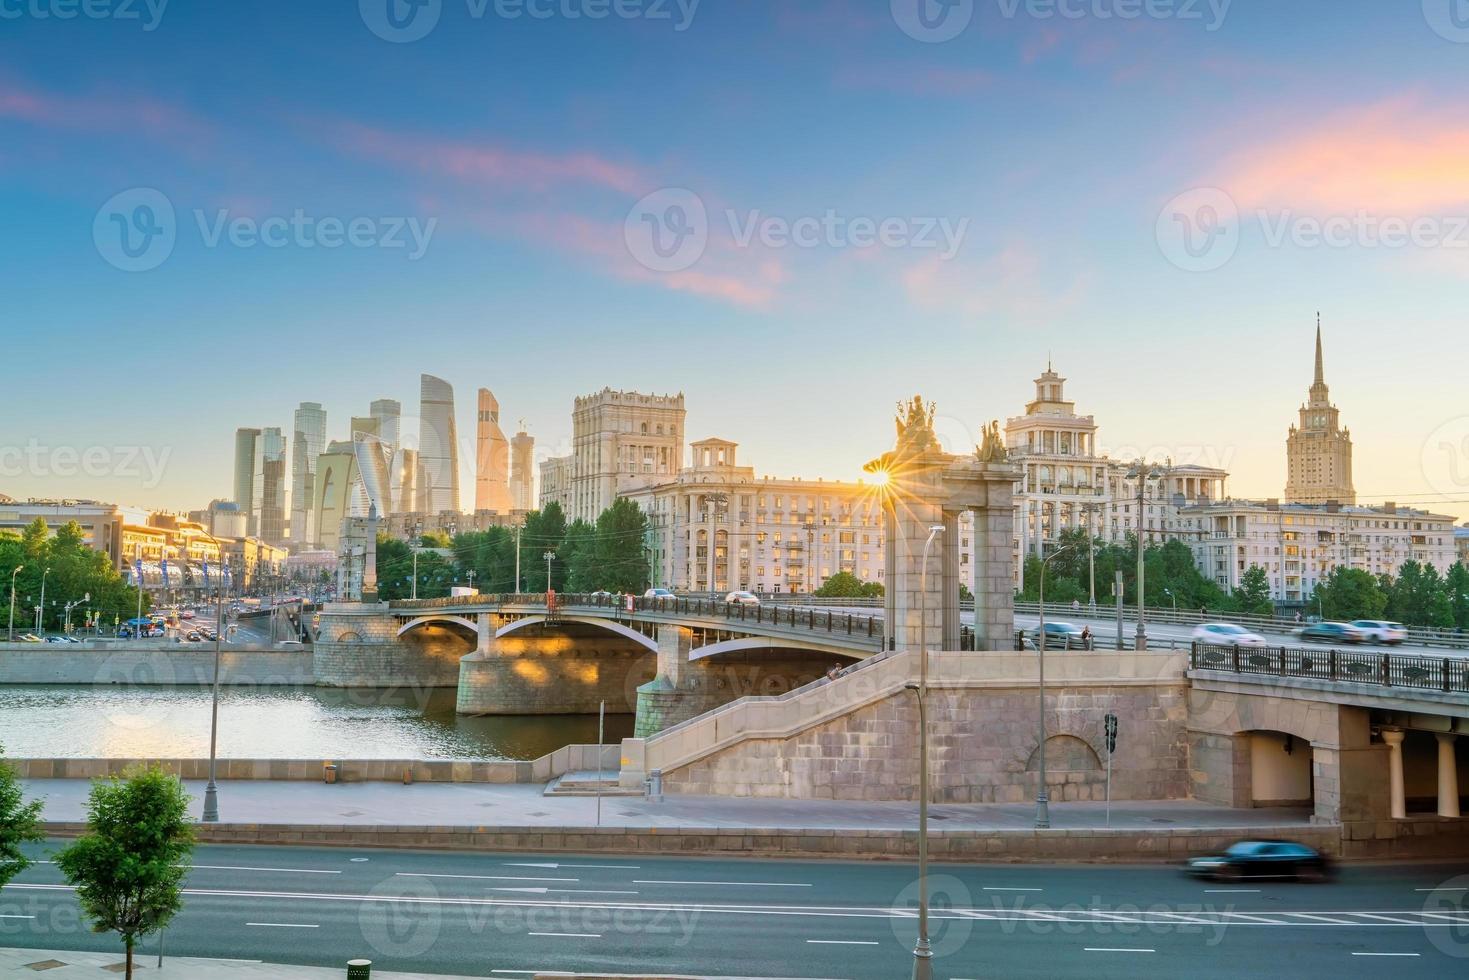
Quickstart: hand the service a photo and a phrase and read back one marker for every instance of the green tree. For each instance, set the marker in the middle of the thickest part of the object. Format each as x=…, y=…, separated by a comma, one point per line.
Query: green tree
x=491, y=554
x=1349, y=593
x=578, y=553
x=71, y=570
x=1252, y=595
x=620, y=554
x=1457, y=586
x=20, y=823
x=842, y=585
x=543, y=531
x=128, y=869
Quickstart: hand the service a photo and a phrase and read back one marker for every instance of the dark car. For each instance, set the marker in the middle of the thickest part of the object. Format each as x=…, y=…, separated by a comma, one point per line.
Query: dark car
x=1263, y=859
x=1332, y=633
x=1060, y=636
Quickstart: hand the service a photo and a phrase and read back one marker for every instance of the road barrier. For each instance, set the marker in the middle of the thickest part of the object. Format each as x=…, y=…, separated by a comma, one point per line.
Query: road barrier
x=1449, y=674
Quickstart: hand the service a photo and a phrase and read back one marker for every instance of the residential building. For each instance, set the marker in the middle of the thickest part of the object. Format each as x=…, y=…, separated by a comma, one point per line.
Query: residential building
x=1318, y=450
x=223, y=519
x=492, y=458
x=621, y=441
x=717, y=527
x=1461, y=544
x=438, y=442
x=309, y=440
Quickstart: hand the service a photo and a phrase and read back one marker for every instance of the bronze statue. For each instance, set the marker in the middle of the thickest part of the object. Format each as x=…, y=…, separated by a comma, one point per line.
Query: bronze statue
x=992, y=447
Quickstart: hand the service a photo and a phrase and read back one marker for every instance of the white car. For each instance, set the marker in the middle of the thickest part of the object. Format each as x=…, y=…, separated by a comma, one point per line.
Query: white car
x=742, y=598
x=1381, y=631
x=658, y=594
x=1226, y=635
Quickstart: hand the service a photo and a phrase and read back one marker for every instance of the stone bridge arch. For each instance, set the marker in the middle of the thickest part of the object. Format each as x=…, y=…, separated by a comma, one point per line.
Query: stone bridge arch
x=439, y=618
x=611, y=625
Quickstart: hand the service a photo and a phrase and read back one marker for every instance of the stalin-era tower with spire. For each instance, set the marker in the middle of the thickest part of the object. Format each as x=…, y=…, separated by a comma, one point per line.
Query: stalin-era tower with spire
x=1319, y=451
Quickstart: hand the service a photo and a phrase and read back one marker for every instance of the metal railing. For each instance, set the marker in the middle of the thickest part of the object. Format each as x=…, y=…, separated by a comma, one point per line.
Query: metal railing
x=1444, y=674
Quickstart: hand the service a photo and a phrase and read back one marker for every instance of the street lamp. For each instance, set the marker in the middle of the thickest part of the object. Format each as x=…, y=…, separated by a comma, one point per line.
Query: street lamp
x=1169, y=594
x=1042, y=800
x=922, y=952
x=41, y=607
x=211, y=792
x=66, y=618
x=11, y=633
x=1142, y=472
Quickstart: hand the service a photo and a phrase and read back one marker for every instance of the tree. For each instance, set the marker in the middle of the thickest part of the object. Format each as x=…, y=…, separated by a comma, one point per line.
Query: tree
x=71, y=570
x=128, y=869
x=1457, y=583
x=20, y=823
x=620, y=555
x=578, y=553
x=1350, y=593
x=845, y=585
x=1252, y=595
x=543, y=531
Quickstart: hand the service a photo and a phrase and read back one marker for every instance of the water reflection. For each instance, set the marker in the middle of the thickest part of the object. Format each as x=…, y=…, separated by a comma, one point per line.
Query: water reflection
x=57, y=721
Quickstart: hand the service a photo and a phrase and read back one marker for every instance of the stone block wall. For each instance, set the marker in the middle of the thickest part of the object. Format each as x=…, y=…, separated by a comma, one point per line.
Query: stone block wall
x=982, y=744
x=549, y=675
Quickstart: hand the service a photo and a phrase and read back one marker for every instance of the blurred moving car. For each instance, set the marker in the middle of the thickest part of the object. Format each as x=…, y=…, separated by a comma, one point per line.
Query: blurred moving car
x=1332, y=633
x=658, y=594
x=1064, y=636
x=1381, y=631
x=1226, y=634
x=29, y=638
x=742, y=598
x=1263, y=859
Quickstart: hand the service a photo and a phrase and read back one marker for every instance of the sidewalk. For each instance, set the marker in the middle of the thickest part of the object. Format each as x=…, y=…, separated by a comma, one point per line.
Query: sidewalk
x=513, y=805
x=26, y=962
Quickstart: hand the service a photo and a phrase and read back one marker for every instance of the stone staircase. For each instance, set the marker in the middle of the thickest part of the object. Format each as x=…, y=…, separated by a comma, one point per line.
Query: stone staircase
x=588, y=783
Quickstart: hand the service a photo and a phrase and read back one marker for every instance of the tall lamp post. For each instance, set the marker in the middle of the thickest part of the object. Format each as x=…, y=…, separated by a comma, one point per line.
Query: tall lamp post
x=211, y=792
x=922, y=952
x=11, y=633
x=1142, y=472
x=1091, y=560
x=41, y=609
x=1042, y=799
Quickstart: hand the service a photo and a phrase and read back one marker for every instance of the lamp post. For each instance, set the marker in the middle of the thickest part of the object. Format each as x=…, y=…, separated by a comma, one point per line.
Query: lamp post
x=1091, y=560
x=66, y=616
x=922, y=952
x=10, y=637
x=548, y=556
x=211, y=792
x=1142, y=471
x=417, y=543
x=41, y=608
x=1042, y=800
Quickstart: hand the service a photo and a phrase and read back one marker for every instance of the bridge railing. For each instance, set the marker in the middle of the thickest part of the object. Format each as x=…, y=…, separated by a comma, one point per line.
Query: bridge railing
x=1445, y=674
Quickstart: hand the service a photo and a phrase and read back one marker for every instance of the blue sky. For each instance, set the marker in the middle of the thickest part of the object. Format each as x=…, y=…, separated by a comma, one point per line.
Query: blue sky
x=1065, y=155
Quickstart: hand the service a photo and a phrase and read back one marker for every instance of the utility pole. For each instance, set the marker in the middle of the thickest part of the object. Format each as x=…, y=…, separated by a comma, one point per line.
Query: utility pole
x=548, y=556
x=11, y=637
x=41, y=609
x=1117, y=592
x=517, y=559
x=1091, y=559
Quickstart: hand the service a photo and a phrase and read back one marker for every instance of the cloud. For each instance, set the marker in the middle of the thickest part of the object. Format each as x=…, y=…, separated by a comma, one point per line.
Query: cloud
x=100, y=112
x=1011, y=282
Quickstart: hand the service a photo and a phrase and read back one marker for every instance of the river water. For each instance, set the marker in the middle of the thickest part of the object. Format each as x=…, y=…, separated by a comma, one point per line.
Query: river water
x=60, y=721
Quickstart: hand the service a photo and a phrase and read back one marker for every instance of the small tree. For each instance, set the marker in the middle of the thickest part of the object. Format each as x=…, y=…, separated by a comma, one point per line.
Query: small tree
x=129, y=868
x=1253, y=592
x=20, y=823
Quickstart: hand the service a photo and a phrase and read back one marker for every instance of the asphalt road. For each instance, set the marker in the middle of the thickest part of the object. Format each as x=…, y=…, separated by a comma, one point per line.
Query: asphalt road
x=507, y=915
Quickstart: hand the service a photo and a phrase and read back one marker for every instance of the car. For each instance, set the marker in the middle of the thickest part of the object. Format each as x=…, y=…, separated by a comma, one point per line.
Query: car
x=1227, y=635
x=1061, y=635
x=742, y=598
x=193, y=636
x=1381, y=631
x=1332, y=633
x=55, y=639
x=601, y=594
x=1263, y=859
x=659, y=594
x=29, y=638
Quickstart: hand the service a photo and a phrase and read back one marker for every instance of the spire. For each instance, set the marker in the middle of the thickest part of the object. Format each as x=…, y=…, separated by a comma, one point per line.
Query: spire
x=1320, y=374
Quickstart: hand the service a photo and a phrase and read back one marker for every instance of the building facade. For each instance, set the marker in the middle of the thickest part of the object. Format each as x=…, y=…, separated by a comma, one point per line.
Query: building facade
x=268, y=504
x=492, y=457
x=522, y=471
x=717, y=527
x=389, y=415
x=309, y=430
x=621, y=441
x=245, y=440
x=1318, y=450
x=438, y=442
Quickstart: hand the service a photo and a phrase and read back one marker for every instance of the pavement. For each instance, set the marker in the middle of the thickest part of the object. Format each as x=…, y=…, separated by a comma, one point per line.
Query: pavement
x=521, y=805
x=75, y=964
x=505, y=915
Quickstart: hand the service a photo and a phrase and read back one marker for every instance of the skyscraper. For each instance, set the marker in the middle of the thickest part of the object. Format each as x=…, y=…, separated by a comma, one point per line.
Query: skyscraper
x=310, y=439
x=1319, y=451
x=438, y=443
x=388, y=413
x=522, y=466
x=268, y=501
x=492, y=458
x=245, y=471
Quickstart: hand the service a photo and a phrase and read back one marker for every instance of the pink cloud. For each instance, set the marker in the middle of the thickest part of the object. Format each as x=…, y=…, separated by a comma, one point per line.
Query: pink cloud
x=100, y=112
x=1010, y=282
x=1394, y=158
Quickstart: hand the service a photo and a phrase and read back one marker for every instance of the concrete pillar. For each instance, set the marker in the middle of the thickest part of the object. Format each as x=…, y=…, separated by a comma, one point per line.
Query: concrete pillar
x=669, y=697
x=994, y=594
x=485, y=625
x=949, y=572
x=1448, y=775
x=1397, y=804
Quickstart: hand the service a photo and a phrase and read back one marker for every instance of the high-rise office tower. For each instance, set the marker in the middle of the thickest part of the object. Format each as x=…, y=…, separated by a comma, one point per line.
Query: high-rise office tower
x=310, y=440
x=389, y=414
x=268, y=503
x=492, y=458
x=245, y=470
x=438, y=443
x=522, y=465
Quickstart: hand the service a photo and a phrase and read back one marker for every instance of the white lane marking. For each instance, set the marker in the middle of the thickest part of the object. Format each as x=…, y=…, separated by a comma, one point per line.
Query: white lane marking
x=1387, y=954
x=755, y=884
x=1464, y=888
x=1115, y=949
x=416, y=874
x=996, y=888
x=561, y=891
x=1324, y=918
x=284, y=925
x=554, y=865
x=1388, y=918
x=294, y=871
x=1230, y=891
x=843, y=942
x=569, y=935
x=16, y=916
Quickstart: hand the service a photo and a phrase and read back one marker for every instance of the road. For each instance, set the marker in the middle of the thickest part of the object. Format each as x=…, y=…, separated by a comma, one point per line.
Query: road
x=508, y=915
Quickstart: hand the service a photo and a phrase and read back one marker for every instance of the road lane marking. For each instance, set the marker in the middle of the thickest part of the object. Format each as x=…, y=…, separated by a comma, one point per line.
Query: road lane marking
x=996, y=888
x=1115, y=949
x=231, y=867
x=1387, y=954
x=843, y=942
x=1388, y=918
x=1230, y=891
x=2, y=916
x=1323, y=918
x=757, y=884
x=1462, y=888
x=476, y=877
x=569, y=935
x=284, y=925
x=554, y=865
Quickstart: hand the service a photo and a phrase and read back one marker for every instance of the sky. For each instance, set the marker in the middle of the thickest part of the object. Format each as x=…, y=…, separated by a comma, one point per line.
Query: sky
x=796, y=213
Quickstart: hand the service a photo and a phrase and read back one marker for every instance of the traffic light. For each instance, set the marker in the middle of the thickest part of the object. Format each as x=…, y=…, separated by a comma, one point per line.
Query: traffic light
x=1109, y=725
